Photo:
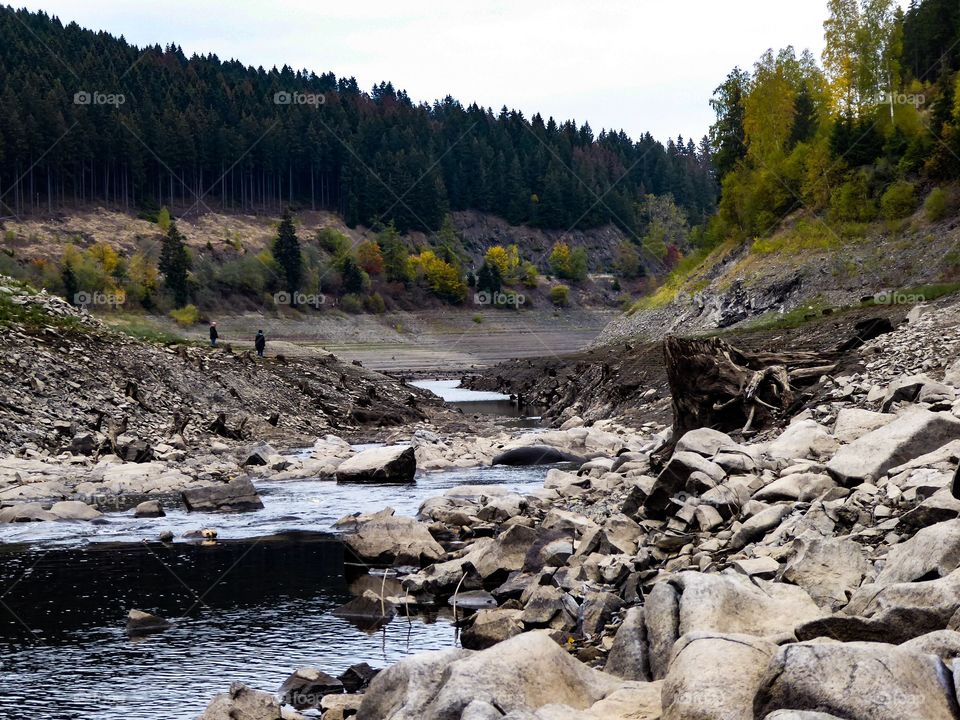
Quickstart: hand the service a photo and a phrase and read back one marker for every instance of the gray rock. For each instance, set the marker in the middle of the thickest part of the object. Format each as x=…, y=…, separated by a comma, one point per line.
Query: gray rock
x=828, y=569
x=759, y=525
x=490, y=627
x=628, y=656
x=384, y=539
x=258, y=454
x=803, y=439
x=238, y=495
x=854, y=423
x=391, y=464
x=307, y=686
x=915, y=432
x=597, y=609
x=143, y=623
x=672, y=480
x=242, y=703
x=149, y=509
x=74, y=510
x=26, y=512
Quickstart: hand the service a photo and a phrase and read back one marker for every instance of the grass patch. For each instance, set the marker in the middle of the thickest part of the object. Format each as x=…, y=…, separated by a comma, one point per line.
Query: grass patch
x=30, y=314
x=673, y=283
x=805, y=236
x=142, y=328
x=799, y=316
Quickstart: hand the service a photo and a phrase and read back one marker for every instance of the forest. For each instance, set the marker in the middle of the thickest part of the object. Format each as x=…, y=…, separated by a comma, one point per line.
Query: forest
x=866, y=135
x=88, y=118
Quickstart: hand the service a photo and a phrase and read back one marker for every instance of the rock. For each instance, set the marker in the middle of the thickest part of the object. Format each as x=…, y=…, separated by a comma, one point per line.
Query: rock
x=166, y=536
x=385, y=539
x=519, y=675
x=728, y=604
x=473, y=600
x=857, y=680
x=628, y=657
x=143, y=623
x=802, y=487
x=828, y=569
x=707, y=442
x=368, y=612
x=390, y=464
x=340, y=707
x=759, y=525
x=490, y=627
x=357, y=677
x=596, y=611
x=915, y=432
x=238, y=495
x=26, y=512
x=672, y=480
x=535, y=455
x=74, y=510
x=84, y=443
x=803, y=439
x=549, y=606
x=242, y=703
x=854, y=423
x=307, y=687
x=933, y=551
x=700, y=684
x=149, y=509
x=259, y=454
x=133, y=449
x=762, y=567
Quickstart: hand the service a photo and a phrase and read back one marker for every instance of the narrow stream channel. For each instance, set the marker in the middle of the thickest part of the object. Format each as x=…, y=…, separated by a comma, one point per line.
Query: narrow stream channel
x=251, y=607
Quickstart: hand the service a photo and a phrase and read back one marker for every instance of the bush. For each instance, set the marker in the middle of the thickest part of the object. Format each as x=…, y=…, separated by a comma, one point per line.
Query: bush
x=352, y=304
x=333, y=241
x=375, y=304
x=899, y=200
x=560, y=295
x=478, y=319
x=852, y=201
x=937, y=206
x=186, y=316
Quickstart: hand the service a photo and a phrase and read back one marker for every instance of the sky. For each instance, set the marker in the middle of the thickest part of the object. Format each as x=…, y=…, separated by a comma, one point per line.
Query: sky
x=637, y=65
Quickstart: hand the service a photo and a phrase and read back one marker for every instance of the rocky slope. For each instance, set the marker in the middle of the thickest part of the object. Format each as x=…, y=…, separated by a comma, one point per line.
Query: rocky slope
x=736, y=284
x=810, y=572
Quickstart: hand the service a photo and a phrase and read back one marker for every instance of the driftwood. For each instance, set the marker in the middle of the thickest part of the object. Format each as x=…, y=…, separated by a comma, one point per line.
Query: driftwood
x=716, y=385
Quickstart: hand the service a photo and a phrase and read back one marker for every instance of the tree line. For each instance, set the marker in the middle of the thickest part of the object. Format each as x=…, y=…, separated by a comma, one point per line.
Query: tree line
x=89, y=118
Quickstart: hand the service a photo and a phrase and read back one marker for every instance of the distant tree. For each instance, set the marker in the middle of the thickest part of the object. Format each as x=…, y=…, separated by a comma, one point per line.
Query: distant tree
x=626, y=259
x=727, y=138
x=370, y=257
x=175, y=265
x=286, y=251
x=488, y=279
x=355, y=281
x=70, y=285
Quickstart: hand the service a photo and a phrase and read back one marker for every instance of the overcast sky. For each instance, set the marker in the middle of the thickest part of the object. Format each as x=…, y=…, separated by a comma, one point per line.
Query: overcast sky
x=640, y=65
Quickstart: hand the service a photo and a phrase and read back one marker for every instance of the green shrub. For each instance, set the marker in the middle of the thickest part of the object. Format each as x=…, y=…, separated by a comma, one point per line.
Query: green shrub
x=852, y=201
x=478, y=319
x=186, y=316
x=899, y=200
x=560, y=295
x=352, y=304
x=937, y=205
x=375, y=304
x=333, y=241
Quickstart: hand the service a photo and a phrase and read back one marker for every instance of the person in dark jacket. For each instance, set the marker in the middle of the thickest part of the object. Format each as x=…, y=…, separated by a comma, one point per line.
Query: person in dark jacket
x=213, y=334
x=260, y=342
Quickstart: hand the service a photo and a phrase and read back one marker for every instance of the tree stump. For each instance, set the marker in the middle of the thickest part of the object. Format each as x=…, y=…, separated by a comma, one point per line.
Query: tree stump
x=716, y=385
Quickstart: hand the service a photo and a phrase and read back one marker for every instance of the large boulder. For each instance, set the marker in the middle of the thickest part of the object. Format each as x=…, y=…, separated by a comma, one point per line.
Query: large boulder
x=915, y=432
x=933, y=552
x=75, y=510
x=628, y=656
x=238, y=495
x=803, y=439
x=728, y=604
x=383, y=538
x=307, y=686
x=708, y=442
x=857, y=680
x=535, y=455
x=854, y=423
x=390, y=464
x=520, y=675
x=242, y=703
x=26, y=512
x=829, y=569
x=672, y=480
x=144, y=623
x=714, y=676
x=490, y=627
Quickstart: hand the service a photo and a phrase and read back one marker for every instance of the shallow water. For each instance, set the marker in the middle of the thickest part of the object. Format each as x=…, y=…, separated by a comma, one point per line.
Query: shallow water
x=251, y=607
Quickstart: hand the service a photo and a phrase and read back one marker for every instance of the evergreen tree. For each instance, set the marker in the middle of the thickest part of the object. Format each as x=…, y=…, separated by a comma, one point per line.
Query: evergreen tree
x=286, y=251
x=70, y=284
x=175, y=264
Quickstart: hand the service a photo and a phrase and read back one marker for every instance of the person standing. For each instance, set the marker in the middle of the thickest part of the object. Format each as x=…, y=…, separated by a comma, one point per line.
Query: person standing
x=213, y=334
x=260, y=342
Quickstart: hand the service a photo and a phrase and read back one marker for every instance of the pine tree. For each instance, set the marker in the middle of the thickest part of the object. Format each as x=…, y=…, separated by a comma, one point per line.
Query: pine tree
x=286, y=251
x=175, y=265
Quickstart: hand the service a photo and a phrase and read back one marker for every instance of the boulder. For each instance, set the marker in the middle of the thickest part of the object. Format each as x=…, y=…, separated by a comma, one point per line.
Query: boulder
x=242, y=703
x=857, y=680
x=307, y=687
x=133, y=449
x=933, y=551
x=802, y=487
x=708, y=442
x=490, y=627
x=84, y=443
x=238, y=495
x=759, y=525
x=143, y=623
x=915, y=432
x=357, y=677
x=803, y=439
x=149, y=509
x=535, y=455
x=74, y=510
x=26, y=512
x=384, y=538
x=672, y=480
x=715, y=676
x=597, y=609
x=829, y=569
x=628, y=656
x=390, y=464
x=854, y=423
x=729, y=604
x=258, y=454
x=367, y=612
x=519, y=675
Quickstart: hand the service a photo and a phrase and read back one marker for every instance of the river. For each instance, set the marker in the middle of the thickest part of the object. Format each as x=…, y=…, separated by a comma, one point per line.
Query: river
x=250, y=607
